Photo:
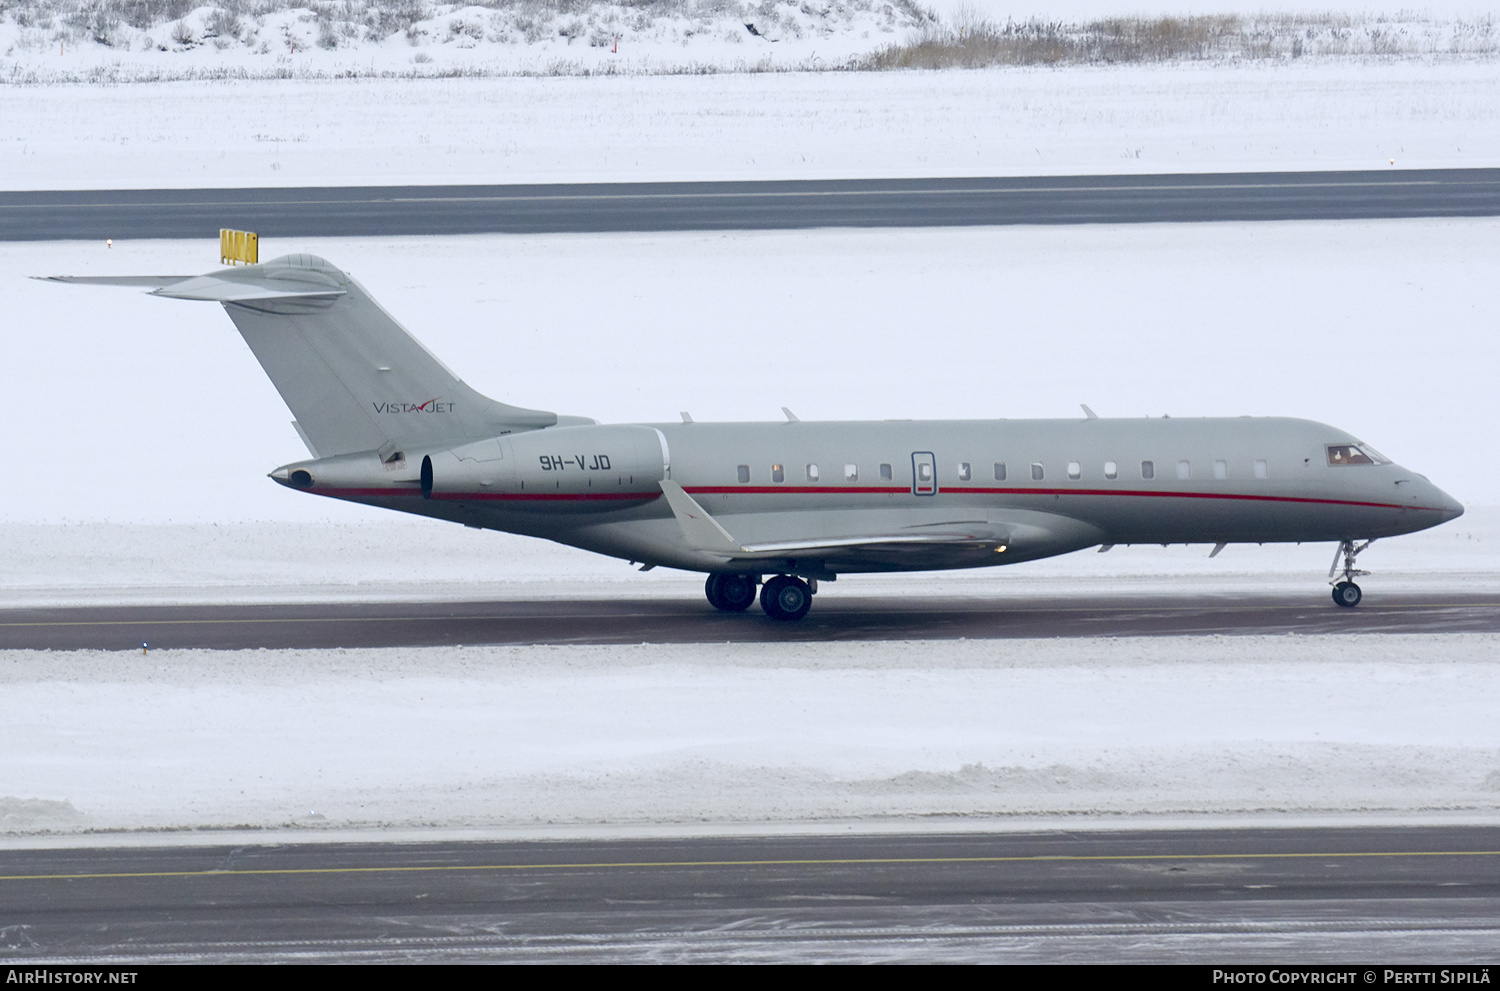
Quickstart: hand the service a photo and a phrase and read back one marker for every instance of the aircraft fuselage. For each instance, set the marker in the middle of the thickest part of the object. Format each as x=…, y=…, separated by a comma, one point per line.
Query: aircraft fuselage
x=1034, y=487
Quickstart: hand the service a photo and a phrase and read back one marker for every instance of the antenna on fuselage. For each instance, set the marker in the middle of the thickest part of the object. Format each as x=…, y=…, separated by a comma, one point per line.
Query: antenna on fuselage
x=1088, y=412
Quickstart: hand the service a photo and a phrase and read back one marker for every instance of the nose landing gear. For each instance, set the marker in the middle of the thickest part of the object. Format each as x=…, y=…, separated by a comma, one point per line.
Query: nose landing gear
x=1345, y=592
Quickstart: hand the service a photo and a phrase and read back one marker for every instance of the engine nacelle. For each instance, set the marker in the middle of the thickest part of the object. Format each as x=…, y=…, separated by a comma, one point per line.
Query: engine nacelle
x=568, y=469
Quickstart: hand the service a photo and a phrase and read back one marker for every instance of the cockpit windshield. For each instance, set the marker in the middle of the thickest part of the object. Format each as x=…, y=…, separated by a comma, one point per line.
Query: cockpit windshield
x=1355, y=454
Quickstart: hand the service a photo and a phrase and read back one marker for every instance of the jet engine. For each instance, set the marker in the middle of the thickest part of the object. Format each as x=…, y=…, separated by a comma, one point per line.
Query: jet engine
x=569, y=469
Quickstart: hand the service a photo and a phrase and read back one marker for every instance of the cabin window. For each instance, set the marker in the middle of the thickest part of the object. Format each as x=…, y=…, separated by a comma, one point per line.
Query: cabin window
x=1184, y=470
x=1111, y=470
x=1148, y=469
x=778, y=473
x=999, y=471
x=1354, y=454
x=812, y=473
x=1037, y=474
x=743, y=473
x=924, y=471
x=885, y=473
x=963, y=471
x=1261, y=470
x=1075, y=470
x=851, y=473
x=1221, y=470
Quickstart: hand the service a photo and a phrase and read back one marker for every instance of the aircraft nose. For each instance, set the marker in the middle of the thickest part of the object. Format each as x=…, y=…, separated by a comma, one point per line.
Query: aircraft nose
x=1450, y=507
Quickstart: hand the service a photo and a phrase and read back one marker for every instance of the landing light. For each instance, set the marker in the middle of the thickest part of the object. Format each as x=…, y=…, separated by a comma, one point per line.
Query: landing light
x=1000, y=549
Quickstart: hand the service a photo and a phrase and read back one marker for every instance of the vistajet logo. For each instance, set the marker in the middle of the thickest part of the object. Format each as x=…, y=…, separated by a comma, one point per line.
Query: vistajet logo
x=435, y=405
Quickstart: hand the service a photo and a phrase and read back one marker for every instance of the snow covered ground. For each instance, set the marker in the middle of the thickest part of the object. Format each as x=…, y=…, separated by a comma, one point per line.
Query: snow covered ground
x=1083, y=120
x=719, y=736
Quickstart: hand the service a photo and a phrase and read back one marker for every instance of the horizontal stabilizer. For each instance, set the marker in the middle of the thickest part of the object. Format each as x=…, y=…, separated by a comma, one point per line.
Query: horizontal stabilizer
x=226, y=288
x=143, y=281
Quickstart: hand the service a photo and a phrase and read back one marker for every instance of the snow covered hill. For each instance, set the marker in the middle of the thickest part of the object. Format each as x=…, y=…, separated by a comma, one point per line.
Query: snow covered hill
x=104, y=40
x=152, y=40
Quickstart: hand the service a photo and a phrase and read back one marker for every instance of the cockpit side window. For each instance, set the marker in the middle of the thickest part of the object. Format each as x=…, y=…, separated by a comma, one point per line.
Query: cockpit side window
x=1354, y=454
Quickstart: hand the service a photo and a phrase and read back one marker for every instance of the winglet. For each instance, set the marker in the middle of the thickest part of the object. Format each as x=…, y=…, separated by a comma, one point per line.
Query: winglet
x=702, y=530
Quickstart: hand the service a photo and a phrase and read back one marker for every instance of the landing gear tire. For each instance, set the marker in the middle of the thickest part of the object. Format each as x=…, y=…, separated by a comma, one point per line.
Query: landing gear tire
x=786, y=598
x=1347, y=594
x=730, y=593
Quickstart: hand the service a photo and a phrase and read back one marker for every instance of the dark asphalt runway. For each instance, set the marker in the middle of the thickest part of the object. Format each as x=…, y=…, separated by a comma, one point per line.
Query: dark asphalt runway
x=1378, y=895
x=684, y=206
x=603, y=621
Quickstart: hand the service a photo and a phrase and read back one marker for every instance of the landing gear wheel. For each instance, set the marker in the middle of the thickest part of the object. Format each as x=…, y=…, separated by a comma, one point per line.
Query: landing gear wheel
x=1347, y=594
x=711, y=590
x=786, y=598
x=730, y=593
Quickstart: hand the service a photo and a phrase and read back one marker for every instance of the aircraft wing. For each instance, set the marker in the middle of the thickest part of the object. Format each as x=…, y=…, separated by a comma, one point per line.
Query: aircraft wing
x=705, y=534
x=874, y=541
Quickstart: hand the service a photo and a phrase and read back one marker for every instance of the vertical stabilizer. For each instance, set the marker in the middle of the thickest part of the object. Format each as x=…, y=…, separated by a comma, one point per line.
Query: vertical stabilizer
x=353, y=377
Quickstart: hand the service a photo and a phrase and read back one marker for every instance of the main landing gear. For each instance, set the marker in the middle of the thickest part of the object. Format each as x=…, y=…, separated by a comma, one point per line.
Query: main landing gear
x=785, y=597
x=1345, y=592
x=730, y=593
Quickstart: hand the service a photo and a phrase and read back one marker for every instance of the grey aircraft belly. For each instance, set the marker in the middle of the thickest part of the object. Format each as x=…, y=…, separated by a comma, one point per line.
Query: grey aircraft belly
x=388, y=425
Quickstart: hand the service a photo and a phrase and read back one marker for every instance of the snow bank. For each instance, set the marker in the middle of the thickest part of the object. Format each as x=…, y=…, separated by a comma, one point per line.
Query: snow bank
x=1051, y=121
x=749, y=734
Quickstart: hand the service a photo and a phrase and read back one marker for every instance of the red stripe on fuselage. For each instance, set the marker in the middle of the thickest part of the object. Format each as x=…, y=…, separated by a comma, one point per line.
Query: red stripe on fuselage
x=957, y=490
x=839, y=490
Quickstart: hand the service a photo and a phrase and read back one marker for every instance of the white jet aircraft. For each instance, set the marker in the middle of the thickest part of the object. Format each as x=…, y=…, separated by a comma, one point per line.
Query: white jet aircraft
x=782, y=506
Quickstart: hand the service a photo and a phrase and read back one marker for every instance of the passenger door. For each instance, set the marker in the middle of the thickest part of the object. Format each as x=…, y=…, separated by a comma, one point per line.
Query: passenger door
x=923, y=474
